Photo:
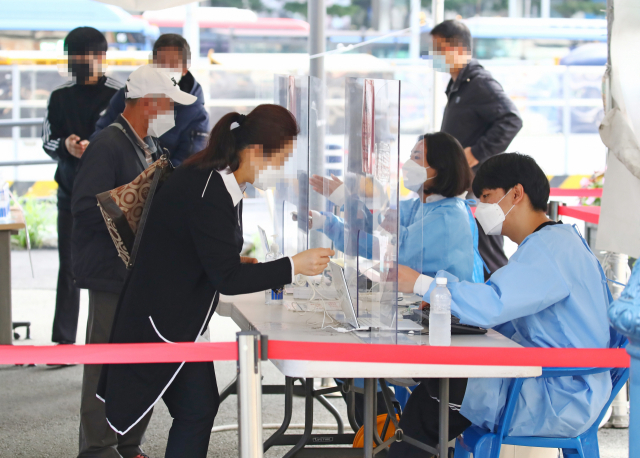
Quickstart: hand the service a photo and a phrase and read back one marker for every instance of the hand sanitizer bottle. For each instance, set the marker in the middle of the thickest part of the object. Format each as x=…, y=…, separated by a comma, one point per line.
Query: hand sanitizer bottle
x=440, y=314
x=274, y=296
x=5, y=204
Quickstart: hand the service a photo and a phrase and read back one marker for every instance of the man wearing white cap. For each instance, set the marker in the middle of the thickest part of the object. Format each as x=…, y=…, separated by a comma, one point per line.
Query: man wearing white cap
x=116, y=156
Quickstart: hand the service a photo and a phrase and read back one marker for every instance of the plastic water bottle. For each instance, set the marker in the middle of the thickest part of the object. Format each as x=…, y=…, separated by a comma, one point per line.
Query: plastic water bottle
x=274, y=296
x=440, y=314
x=5, y=202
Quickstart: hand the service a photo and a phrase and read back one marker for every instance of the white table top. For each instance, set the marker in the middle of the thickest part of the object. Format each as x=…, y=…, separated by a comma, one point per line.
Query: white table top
x=249, y=312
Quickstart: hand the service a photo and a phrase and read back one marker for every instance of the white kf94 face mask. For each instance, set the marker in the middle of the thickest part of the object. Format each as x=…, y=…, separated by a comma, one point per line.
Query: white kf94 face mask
x=268, y=178
x=414, y=175
x=163, y=123
x=491, y=216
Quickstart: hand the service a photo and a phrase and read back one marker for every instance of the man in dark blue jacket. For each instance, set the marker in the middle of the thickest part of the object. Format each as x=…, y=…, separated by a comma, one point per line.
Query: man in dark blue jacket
x=171, y=52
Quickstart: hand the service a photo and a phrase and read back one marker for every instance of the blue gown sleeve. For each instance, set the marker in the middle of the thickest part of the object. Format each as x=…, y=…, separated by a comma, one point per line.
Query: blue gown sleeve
x=334, y=229
x=530, y=283
x=425, y=244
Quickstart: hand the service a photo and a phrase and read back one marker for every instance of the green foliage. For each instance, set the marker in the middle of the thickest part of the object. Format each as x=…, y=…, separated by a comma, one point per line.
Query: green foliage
x=568, y=8
x=339, y=10
x=40, y=216
x=296, y=8
x=254, y=5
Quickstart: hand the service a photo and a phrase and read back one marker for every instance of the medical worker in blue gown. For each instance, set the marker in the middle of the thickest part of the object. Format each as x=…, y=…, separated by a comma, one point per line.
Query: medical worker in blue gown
x=552, y=293
x=437, y=230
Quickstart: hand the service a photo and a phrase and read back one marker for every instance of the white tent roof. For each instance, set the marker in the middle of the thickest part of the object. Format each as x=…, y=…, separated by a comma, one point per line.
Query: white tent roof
x=143, y=5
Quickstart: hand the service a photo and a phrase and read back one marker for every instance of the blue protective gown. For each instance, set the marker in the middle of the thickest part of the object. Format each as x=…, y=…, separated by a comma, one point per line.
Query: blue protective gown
x=432, y=236
x=552, y=293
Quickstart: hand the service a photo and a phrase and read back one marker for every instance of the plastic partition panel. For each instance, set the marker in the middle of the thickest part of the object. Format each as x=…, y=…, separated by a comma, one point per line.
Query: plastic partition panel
x=414, y=123
x=291, y=194
x=371, y=198
x=322, y=178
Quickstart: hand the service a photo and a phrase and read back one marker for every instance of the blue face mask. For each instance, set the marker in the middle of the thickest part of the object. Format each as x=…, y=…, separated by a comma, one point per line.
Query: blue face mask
x=440, y=63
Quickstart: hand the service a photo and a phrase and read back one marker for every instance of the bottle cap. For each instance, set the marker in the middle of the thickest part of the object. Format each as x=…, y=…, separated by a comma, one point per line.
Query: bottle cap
x=441, y=281
x=274, y=248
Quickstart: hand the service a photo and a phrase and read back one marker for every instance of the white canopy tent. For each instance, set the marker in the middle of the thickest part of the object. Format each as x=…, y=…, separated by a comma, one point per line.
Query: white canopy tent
x=619, y=226
x=144, y=5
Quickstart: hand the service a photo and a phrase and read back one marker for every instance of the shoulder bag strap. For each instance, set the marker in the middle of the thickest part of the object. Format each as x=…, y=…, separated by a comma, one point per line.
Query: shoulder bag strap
x=139, y=151
x=157, y=175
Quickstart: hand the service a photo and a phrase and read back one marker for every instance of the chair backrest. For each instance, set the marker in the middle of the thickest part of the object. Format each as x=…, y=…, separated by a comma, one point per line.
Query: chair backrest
x=619, y=377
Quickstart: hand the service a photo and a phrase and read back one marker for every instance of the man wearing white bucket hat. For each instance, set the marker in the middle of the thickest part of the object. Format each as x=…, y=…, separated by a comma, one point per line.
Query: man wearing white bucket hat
x=116, y=156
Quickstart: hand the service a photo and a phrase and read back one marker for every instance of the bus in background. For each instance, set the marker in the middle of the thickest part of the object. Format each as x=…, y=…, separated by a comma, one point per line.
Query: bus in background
x=42, y=25
x=235, y=30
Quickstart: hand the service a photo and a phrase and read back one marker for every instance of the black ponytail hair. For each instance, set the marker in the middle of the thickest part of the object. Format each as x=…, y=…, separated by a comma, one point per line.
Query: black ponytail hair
x=268, y=125
x=446, y=156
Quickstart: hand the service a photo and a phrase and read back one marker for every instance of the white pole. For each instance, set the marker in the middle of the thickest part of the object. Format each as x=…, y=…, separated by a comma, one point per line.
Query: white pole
x=15, y=114
x=515, y=8
x=414, y=47
x=436, y=115
x=191, y=30
x=317, y=13
x=545, y=9
x=249, y=395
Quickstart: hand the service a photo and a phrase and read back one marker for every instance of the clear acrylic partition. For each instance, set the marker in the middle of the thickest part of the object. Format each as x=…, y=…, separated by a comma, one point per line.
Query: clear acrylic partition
x=291, y=195
x=371, y=198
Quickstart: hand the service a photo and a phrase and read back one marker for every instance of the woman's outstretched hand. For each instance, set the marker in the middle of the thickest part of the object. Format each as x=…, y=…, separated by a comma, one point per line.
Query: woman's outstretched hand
x=312, y=262
x=323, y=185
x=248, y=260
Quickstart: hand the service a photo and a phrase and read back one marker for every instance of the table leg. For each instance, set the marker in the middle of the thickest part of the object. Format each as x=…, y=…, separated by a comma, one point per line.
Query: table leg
x=288, y=411
x=443, y=447
x=369, y=423
x=6, y=330
x=308, y=419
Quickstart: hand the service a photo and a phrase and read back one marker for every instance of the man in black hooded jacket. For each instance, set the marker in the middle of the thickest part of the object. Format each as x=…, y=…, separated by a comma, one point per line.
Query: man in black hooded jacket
x=72, y=112
x=479, y=114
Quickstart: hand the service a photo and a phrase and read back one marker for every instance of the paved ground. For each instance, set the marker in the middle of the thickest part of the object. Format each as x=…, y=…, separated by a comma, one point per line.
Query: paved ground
x=39, y=405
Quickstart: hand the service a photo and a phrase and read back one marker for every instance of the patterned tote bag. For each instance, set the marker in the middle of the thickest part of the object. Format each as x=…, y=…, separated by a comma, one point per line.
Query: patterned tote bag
x=125, y=209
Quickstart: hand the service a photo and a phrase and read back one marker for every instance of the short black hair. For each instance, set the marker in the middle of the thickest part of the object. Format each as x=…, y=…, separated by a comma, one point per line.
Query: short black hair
x=504, y=171
x=85, y=40
x=453, y=30
x=173, y=40
x=446, y=156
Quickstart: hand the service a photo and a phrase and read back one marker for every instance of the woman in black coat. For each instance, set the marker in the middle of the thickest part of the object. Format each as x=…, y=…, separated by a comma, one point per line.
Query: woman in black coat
x=190, y=253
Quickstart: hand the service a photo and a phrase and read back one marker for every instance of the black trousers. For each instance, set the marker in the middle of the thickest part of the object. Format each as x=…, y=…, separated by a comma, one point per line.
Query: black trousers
x=97, y=439
x=420, y=419
x=193, y=401
x=65, y=321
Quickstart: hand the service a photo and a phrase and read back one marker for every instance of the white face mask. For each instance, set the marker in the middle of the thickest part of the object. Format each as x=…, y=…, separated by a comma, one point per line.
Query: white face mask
x=163, y=123
x=268, y=178
x=491, y=216
x=414, y=175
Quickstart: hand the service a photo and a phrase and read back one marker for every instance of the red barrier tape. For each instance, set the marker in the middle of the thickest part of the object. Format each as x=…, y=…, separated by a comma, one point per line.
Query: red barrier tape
x=313, y=351
x=584, y=213
x=118, y=353
x=561, y=192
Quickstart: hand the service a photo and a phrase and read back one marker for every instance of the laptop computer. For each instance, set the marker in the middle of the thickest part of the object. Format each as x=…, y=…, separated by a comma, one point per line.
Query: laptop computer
x=346, y=303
